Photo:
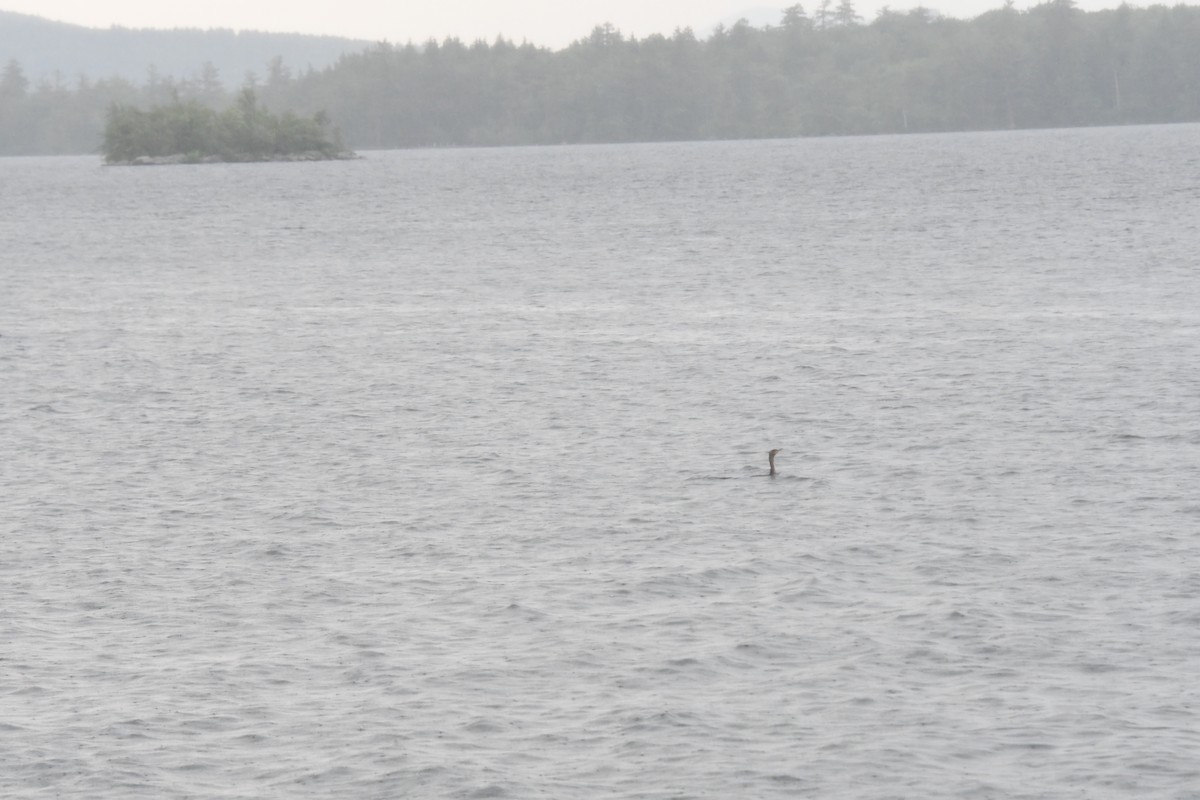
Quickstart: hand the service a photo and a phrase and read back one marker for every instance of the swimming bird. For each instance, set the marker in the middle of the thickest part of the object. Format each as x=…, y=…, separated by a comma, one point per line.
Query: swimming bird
x=771, y=459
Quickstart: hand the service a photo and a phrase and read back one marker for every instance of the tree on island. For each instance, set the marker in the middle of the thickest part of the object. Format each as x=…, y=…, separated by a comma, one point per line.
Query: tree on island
x=192, y=133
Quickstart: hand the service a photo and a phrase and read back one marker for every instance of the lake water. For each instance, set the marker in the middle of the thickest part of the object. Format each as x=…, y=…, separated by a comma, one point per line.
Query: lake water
x=441, y=473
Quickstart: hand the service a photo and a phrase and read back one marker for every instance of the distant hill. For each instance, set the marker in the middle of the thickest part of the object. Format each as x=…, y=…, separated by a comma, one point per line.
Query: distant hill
x=48, y=50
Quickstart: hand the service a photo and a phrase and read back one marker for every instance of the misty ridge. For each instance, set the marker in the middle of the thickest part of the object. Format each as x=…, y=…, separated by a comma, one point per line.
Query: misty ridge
x=818, y=71
x=58, y=53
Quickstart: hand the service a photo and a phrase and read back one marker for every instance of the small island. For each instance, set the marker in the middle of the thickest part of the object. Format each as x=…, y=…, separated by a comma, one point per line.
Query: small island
x=189, y=133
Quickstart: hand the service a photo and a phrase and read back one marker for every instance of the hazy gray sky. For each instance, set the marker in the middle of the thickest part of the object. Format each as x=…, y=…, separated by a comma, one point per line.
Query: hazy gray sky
x=553, y=23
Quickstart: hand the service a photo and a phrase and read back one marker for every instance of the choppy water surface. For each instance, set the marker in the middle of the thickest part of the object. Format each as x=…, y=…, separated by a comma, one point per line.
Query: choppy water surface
x=440, y=474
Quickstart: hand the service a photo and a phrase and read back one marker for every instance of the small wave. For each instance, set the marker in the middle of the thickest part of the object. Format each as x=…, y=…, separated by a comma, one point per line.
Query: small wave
x=780, y=477
x=1135, y=438
x=520, y=612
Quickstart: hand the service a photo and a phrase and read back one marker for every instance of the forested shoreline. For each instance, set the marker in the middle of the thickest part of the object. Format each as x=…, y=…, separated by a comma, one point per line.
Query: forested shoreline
x=819, y=72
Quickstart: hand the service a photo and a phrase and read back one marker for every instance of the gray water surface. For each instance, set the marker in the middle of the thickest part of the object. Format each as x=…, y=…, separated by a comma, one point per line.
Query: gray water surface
x=442, y=473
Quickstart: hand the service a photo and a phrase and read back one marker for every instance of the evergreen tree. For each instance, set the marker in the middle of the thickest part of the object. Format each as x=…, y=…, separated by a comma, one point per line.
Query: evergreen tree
x=845, y=14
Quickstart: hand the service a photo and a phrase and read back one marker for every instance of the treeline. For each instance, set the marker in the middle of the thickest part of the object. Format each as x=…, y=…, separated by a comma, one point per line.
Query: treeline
x=815, y=73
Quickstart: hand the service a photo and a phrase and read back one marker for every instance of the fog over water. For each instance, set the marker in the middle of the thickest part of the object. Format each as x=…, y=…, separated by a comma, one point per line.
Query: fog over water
x=442, y=473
